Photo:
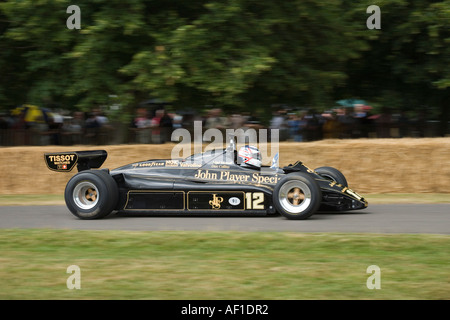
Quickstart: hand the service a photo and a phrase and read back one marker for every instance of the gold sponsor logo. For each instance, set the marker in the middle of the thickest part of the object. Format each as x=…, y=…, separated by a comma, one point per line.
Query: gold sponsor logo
x=149, y=164
x=257, y=178
x=60, y=159
x=216, y=201
x=205, y=175
x=230, y=176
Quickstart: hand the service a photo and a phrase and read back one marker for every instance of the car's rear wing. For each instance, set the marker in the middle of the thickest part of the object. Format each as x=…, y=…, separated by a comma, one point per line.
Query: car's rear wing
x=66, y=161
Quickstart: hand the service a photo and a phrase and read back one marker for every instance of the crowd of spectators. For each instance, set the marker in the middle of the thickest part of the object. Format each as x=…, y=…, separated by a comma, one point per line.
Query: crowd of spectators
x=52, y=128
x=347, y=123
x=337, y=123
x=155, y=125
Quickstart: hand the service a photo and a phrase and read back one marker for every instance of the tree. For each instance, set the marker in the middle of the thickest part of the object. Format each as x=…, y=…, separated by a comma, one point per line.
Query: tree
x=34, y=66
x=241, y=49
x=243, y=53
x=408, y=64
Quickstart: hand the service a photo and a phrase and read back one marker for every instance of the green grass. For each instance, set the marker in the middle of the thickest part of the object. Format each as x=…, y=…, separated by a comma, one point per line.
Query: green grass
x=221, y=265
x=382, y=198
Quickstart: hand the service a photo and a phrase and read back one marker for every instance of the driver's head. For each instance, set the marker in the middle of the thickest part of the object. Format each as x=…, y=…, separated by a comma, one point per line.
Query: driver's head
x=250, y=156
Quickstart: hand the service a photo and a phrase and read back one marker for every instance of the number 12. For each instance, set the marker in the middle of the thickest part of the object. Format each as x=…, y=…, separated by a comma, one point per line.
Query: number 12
x=254, y=200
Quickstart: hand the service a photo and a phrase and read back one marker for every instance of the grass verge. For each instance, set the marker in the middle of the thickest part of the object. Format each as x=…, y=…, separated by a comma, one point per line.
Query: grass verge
x=221, y=265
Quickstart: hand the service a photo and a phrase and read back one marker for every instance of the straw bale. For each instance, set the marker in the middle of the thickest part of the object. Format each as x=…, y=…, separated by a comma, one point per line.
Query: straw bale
x=370, y=165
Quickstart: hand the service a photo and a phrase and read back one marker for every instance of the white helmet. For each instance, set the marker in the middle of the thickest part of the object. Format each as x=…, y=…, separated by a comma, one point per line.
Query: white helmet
x=250, y=156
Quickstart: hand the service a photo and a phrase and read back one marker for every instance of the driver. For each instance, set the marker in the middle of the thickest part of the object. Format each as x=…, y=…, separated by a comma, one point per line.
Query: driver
x=250, y=157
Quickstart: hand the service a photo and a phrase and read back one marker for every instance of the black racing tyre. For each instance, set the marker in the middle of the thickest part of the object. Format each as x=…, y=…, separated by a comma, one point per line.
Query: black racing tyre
x=332, y=174
x=91, y=194
x=297, y=196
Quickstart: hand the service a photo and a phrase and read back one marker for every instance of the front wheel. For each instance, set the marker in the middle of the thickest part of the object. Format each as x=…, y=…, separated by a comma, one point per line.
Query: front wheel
x=297, y=196
x=91, y=194
x=332, y=174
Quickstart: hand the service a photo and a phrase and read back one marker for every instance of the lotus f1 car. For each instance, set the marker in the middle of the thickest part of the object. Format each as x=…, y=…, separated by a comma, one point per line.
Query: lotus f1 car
x=208, y=183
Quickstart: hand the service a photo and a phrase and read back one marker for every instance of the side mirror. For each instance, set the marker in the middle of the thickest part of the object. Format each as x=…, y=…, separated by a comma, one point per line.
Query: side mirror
x=275, y=162
x=232, y=146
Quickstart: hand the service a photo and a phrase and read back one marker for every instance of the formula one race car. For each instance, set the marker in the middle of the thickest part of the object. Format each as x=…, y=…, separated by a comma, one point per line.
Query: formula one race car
x=214, y=182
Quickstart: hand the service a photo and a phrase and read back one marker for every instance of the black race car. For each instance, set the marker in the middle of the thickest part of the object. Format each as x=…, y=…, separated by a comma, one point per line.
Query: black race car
x=208, y=183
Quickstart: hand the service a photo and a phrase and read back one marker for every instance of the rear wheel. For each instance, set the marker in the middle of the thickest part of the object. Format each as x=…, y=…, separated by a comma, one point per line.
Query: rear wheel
x=332, y=174
x=297, y=196
x=91, y=194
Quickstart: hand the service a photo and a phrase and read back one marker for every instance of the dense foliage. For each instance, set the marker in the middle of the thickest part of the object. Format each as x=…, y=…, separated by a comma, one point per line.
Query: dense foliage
x=242, y=53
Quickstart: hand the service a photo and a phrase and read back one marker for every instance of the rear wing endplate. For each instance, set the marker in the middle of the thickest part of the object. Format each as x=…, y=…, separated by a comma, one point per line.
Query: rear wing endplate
x=66, y=161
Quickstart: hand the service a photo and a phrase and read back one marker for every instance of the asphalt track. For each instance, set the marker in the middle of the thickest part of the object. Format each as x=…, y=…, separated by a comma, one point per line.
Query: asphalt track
x=389, y=218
